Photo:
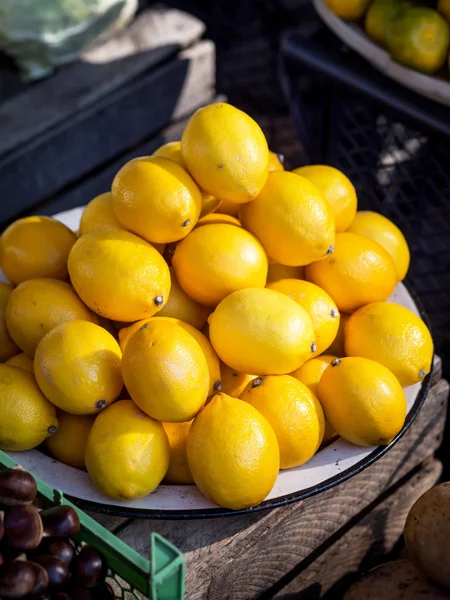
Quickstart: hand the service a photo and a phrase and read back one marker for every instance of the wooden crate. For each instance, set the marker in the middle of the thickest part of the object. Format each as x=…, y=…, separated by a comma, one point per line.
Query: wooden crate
x=63, y=138
x=312, y=548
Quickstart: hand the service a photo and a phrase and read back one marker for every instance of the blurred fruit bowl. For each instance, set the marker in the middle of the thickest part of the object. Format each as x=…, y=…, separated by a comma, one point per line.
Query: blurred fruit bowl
x=330, y=466
x=434, y=87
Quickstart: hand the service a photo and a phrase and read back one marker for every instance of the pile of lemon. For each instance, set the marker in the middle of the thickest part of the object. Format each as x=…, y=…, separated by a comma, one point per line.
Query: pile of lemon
x=167, y=342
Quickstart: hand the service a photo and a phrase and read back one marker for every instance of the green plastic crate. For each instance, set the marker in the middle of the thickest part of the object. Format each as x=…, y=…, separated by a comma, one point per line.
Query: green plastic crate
x=130, y=574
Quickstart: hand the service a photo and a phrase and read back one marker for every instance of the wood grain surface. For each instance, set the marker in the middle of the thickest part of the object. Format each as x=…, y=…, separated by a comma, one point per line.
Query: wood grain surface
x=255, y=556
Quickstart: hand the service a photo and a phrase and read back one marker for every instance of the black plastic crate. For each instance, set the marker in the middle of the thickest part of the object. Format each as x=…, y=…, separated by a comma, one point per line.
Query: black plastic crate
x=393, y=144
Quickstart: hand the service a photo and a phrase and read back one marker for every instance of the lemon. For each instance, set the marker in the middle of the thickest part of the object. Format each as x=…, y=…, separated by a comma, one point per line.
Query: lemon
x=127, y=452
x=22, y=361
x=312, y=370
x=349, y=10
x=8, y=348
x=216, y=260
x=183, y=307
x=35, y=247
x=226, y=152
x=38, y=305
x=172, y=151
x=358, y=272
x=319, y=306
x=233, y=382
x=99, y=214
x=362, y=400
x=156, y=199
x=378, y=18
x=233, y=453
x=418, y=37
x=310, y=374
x=215, y=218
x=77, y=367
x=294, y=413
x=382, y=230
x=276, y=162
x=165, y=371
x=291, y=219
x=337, y=347
x=68, y=444
x=118, y=275
x=211, y=358
x=338, y=190
x=276, y=271
x=261, y=331
x=178, y=472
x=27, y=417
x=229, y=208
x=393, y=336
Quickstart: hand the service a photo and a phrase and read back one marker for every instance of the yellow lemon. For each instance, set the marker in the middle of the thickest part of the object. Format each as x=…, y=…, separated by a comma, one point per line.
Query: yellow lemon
x=233, y=453
x=379, y=16
x=349, y=10
x=77, y=366
x=261, y=331
x=362, y=400
x=337, y=347
x=178, y=472
x=291, y=219
x=156, y=199
x=382, y=230
x=319, y=306
x=22, y=361
x=216, y=260
x=234, y=383
x=338, y=190
x=183, y=307
x=38, y=305
x=294, y=413
x=276, y=162
x=35, y=247
x=68, y=444
x=172, y=151
x=165, y=371
x=118, y=275
x=27, y=417
x=312, y=370
x=226, y=152
x=310, y=374
x=276, y=271
x=127, y=453
x=99, y=214
x=358, y=272
x=211, y=357
x=7, y=347
x=229, y=208
x=215, y=218
x=393, y=336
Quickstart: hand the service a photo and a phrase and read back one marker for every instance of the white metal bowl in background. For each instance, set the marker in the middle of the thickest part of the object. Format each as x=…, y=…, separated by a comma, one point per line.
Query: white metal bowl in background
x=329, y=463
x=352, y=35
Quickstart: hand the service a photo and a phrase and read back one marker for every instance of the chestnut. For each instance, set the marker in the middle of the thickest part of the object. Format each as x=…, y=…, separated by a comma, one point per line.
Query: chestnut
x=102, y=592
x=57, y=570
x=89, y=568
x=60, y=521
x=19, y=578
x=23, y=528
x=62, y=549
x=41, y=580
x=16, y=487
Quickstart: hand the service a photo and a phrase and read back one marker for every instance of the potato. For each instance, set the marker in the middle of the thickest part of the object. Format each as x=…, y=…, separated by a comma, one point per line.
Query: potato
x=427, y=533
x=396, y=580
